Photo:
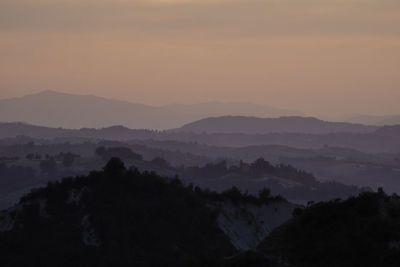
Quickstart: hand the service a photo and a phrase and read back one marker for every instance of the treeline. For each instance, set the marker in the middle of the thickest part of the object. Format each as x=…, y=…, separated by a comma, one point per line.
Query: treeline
x=258, y=169
x=281, y=179
x=359, y=231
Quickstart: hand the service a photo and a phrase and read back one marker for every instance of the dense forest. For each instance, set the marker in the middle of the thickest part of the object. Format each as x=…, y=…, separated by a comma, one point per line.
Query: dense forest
x=359, y=231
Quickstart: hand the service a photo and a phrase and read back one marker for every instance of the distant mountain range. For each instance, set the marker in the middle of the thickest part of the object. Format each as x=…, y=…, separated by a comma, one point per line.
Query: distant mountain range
x=214, y=125
x=54, y=109
x=253, y=125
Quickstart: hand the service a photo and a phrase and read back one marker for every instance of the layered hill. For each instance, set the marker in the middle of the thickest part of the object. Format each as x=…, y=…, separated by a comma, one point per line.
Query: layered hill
x=376, y=120
x=393, y=130
x=384, y=139
x=20, y=173
x=15, y=129
x=254, y=125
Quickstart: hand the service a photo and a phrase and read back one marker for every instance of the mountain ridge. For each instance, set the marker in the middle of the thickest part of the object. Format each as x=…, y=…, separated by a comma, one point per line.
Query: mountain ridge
x=286, y=124
x=378, y=120
x=54, y=109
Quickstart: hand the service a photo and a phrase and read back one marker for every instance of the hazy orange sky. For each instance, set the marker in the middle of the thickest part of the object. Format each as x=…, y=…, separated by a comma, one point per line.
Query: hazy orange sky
x=316, y=56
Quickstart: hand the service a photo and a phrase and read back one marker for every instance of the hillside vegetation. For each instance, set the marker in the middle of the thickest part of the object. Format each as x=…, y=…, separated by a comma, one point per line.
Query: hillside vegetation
x=360, y=231
x=120, y=217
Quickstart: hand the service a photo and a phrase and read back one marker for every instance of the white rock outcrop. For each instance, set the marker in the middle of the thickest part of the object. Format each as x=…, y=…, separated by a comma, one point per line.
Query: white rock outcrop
x=247, y=224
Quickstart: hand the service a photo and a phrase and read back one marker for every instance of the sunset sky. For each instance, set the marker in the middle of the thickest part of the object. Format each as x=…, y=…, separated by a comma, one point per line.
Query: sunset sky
x=316, y=56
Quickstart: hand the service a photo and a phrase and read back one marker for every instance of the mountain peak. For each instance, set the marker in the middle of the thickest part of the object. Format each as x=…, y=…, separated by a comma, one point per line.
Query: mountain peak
x=47, y=93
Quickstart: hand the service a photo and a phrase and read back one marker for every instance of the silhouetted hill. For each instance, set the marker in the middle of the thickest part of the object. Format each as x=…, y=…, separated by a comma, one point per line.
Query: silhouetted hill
x=389, y=130
x=9, y=130
x=25, y=166
x=119, y=217
x=54, y=109
x=253, y=125
x=293, y=184
x=14, y=129
x=373, y=142
x=376, y=120
x=361, y=231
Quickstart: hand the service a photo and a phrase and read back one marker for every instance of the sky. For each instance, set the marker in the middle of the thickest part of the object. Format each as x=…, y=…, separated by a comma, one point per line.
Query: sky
x=320, y=57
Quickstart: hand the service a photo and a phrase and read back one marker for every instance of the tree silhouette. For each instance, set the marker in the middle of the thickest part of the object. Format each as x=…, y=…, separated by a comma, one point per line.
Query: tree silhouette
x=114, y=166
x=264, y=194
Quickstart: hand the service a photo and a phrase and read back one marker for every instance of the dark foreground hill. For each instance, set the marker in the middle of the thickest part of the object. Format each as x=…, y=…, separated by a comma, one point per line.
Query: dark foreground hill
x=120, y=217
x=361, y=231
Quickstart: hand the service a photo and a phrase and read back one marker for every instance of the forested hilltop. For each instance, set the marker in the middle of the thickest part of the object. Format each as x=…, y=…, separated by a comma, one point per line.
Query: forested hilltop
x=35, y=165
x=360, y=231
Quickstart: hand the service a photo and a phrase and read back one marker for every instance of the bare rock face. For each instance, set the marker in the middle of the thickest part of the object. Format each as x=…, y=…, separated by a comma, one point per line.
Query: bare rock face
x=247, y=225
